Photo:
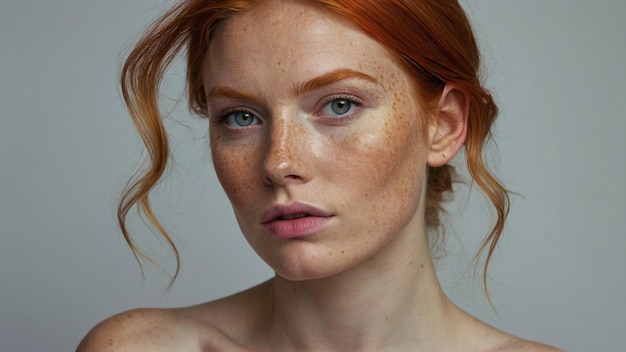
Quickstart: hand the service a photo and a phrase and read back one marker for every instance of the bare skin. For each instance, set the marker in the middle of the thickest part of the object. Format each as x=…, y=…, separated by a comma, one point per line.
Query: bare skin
x=312, y=111
x=235, y=322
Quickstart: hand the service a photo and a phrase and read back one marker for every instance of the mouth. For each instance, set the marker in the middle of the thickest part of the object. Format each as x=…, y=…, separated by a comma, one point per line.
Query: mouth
x=292, y=216
x=295, y=220
x=293, y=211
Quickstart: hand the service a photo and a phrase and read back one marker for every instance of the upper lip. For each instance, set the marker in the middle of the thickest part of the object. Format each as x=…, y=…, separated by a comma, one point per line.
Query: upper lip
x=278, y=211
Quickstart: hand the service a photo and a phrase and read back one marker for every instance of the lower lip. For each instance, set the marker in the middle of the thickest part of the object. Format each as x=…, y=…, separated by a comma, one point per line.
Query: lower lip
x=295, y=228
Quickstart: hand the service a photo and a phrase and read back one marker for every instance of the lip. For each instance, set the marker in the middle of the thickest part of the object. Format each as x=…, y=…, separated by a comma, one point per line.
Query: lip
x=278, y=221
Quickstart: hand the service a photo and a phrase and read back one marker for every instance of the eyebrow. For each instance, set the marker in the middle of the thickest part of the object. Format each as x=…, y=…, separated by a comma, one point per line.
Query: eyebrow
x=330, y=78
x=222, y=91
x=298, y=89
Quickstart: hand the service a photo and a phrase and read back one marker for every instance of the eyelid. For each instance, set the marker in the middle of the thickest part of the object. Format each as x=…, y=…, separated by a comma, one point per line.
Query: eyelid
x=358, y=105
x=220, y=106
x=221, y=117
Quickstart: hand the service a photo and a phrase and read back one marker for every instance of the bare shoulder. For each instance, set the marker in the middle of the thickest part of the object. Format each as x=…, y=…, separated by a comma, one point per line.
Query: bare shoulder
x=221, y=325
x=138, y=330
x=484, y=337
x=156, y=330
x=520, y=345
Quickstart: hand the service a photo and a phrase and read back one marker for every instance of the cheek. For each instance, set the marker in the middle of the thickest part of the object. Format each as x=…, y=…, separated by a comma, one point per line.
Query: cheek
x=234, y=173
x=389, y=166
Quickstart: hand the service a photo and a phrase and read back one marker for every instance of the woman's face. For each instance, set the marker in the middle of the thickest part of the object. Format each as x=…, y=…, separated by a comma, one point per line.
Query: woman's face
x=316, y=137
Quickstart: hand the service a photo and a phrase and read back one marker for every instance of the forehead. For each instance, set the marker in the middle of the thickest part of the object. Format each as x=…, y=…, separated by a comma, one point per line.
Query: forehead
x=291, y=40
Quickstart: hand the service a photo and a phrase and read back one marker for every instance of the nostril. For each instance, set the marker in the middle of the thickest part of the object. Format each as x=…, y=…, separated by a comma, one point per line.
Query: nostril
x=287, y=168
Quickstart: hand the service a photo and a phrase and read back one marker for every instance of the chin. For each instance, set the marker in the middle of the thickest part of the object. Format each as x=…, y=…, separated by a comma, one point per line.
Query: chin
x=303, y=271
x=298, y=265
x=305, y=275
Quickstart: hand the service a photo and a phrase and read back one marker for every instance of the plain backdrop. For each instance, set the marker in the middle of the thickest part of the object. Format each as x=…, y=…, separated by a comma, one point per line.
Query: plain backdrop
x=67, y=146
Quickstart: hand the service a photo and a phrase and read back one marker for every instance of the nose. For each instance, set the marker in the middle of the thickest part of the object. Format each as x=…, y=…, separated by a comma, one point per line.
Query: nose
x=286, y=159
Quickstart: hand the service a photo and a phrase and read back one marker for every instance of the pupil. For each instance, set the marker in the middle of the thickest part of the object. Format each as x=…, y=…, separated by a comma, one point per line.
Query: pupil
x=244, y=119
x=341, y=107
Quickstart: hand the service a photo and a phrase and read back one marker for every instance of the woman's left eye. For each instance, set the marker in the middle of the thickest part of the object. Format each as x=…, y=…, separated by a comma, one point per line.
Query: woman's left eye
x=339, y=107
x=240, y=119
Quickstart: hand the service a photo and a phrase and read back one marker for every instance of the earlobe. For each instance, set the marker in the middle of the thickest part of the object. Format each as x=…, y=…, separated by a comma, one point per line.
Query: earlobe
x=449, y=126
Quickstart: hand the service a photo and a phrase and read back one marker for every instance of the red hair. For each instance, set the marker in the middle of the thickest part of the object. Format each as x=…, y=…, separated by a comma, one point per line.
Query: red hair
x=432, y=39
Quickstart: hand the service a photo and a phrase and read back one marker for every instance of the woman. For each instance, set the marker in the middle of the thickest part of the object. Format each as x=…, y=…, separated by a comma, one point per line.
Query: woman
x=331, y=126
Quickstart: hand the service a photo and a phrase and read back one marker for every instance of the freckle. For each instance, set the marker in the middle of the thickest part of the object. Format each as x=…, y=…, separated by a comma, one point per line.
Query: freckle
x=410, y=263
x=342, y=252
x=422, y=266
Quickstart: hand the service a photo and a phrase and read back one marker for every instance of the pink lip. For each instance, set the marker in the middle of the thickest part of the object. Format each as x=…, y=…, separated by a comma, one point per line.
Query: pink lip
x=277, y=220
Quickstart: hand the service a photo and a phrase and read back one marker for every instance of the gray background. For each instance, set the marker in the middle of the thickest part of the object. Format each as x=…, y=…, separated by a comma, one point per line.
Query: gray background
x=66, y=148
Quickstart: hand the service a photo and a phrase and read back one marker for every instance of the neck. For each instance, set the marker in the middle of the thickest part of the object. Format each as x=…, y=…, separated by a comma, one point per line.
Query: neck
x=393, y=301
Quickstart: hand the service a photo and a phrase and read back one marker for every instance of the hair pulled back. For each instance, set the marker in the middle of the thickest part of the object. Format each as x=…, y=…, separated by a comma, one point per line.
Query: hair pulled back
x=433, y=39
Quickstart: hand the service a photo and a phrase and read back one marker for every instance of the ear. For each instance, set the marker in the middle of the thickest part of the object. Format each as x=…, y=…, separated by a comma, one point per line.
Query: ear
x=449, y=126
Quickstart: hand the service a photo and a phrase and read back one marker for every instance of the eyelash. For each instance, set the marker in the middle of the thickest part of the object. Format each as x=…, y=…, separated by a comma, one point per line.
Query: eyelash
x=225, y=114
x=355, y=102
x=355, y=105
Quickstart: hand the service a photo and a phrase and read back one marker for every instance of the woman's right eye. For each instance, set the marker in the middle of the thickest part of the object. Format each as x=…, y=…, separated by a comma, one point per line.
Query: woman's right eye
x=239, y=119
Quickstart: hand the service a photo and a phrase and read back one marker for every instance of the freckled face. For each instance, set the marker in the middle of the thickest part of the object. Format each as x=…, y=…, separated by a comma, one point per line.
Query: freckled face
x=305, y=109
